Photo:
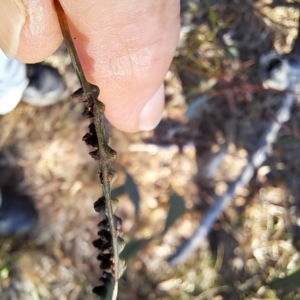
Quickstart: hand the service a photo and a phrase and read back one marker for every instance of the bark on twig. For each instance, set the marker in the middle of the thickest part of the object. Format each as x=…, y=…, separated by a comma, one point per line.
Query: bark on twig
x=109, y=242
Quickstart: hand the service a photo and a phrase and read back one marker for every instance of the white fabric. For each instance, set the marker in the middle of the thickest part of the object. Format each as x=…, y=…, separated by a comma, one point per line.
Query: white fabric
x=13, y=82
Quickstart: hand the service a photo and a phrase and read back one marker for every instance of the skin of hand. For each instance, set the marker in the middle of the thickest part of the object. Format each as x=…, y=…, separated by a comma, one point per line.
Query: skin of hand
x=125, y=48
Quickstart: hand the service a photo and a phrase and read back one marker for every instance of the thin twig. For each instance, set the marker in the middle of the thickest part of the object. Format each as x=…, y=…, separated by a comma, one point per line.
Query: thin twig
x=71, y=48
x=104, y=155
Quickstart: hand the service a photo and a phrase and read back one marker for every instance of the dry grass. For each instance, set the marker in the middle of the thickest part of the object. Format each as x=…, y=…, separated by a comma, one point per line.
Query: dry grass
x=250, y=244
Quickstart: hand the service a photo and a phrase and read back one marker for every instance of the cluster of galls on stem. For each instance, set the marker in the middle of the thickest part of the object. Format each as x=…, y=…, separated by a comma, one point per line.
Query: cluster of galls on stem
x=108, y=229
x=104, y=244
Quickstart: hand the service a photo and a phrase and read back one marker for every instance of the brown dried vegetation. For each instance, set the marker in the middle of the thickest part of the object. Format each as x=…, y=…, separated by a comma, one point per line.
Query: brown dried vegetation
x=251, y=244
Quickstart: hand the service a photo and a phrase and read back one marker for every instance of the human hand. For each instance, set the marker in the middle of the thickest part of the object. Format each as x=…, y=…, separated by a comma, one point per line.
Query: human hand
x=125, y=48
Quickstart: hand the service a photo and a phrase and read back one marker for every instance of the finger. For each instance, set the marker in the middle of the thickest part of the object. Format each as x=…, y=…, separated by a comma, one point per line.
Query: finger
x=125, y=48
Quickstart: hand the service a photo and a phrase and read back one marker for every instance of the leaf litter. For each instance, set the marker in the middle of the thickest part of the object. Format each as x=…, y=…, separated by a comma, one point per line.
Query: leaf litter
x=250, y=245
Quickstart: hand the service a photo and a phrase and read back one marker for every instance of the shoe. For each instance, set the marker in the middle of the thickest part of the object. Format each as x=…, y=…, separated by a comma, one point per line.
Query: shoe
x=46, y=86
x=17, y=214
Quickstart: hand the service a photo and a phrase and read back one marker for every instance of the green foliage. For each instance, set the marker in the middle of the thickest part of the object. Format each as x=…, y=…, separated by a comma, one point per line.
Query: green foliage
x=176, y=209
x=133, y=247
x=118, y=191
x=194, y=107
x=133, y=192
x=4, y=272
x=287, y=284
x=109, y=293
x=234, y=51
x=212, y=17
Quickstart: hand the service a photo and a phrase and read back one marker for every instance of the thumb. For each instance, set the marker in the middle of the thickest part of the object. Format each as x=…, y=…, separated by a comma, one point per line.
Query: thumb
x=125, y=48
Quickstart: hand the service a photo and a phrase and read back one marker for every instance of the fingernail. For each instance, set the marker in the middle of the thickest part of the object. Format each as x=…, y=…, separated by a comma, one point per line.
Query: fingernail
x=152, y=112
x=12, y=20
